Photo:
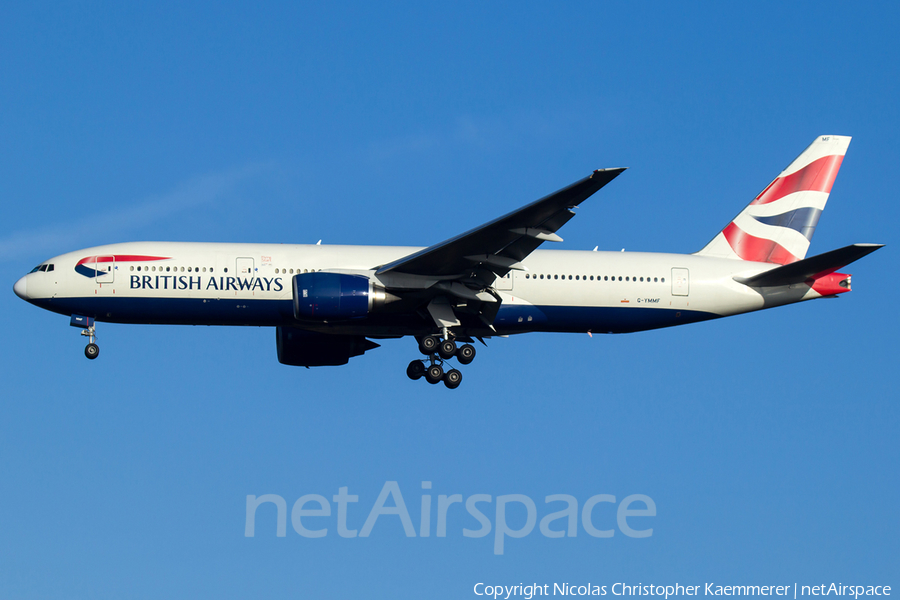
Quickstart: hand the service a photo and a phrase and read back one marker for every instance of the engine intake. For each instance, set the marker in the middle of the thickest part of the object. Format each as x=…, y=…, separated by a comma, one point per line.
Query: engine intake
x=336, y=296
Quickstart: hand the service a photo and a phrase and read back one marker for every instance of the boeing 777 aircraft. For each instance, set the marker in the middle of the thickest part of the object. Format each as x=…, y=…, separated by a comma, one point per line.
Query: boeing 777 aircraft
x=325, y=302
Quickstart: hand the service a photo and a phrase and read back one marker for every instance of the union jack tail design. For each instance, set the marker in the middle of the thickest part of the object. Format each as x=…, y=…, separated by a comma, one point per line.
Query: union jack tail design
x=779, y=224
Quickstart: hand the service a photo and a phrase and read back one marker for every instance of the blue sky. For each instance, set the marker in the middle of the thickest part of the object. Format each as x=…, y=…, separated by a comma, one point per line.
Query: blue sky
x=766, y=441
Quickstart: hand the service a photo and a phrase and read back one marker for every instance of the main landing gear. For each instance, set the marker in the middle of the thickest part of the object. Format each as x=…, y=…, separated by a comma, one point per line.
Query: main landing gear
x=438, y=351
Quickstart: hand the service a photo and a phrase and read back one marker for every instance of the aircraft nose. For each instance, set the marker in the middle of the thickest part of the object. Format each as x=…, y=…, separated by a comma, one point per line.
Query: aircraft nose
x=20, y=289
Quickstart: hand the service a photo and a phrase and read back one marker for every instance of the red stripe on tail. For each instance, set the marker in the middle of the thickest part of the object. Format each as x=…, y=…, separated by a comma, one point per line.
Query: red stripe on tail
x=817, y=176
x=749, y=247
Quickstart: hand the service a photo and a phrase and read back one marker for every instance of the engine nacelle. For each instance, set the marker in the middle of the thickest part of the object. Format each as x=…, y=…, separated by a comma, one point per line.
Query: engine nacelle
x=336, y=296
x=300, y=348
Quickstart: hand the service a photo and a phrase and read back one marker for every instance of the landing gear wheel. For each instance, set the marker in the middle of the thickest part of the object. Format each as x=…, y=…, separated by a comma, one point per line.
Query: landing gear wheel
x=428, y=345
x=434, y=374
x=415, y=370
x=465, y=354
x=447, y=349
x=452, y=379
x=92, y=351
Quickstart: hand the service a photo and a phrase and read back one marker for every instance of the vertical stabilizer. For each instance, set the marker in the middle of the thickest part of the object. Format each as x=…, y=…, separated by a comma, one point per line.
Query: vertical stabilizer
x=779, y=224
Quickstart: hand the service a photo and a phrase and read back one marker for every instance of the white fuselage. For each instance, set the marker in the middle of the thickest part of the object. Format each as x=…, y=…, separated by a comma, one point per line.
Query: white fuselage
x=251, y=284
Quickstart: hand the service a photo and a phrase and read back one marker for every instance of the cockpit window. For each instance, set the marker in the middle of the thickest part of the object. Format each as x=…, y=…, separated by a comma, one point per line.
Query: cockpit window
x=45, y=267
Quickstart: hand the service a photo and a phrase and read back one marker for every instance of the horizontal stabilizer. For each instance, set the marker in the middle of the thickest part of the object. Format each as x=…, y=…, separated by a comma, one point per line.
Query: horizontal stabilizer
x=810, y=268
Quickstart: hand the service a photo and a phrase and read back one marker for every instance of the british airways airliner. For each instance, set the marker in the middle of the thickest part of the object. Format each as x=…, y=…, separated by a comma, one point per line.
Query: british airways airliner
x=327, y=303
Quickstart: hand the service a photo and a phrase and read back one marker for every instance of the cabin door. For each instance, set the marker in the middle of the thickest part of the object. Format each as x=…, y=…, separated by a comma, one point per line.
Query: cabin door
x=244, y=267
x=105, y=266
x=681, y=282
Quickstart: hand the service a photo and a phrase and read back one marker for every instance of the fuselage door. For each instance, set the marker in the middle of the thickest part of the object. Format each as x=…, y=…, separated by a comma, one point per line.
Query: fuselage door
x=681, y=282
x=505, y=283
x=244, y=267
x=106, y=268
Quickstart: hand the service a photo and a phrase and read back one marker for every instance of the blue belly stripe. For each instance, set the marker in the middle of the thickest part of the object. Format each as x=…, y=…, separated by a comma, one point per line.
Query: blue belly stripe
x=271, y=313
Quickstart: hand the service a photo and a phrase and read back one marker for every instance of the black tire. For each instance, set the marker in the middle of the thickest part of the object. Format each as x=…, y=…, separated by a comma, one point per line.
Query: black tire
x=92, y=351
x=415, y=370
x=429, y=345
x=452, y=379
x=465, y=354
x=447, y=349
x=434, y=374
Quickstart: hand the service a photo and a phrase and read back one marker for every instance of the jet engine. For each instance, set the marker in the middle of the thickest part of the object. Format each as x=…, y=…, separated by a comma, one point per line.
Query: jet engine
x=300, y=348
x=336, y=296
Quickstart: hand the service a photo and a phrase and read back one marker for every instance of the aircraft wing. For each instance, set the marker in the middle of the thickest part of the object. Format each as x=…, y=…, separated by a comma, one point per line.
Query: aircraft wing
x=497, y=247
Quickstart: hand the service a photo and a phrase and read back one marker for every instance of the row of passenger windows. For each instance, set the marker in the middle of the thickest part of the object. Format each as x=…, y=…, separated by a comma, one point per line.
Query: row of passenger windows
x=175, y=269
x=598, y=278
x=193, y=269
x=46, y=267
x=49, y=267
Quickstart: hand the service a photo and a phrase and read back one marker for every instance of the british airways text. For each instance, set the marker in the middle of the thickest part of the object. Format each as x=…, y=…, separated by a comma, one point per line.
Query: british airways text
x=186, y=282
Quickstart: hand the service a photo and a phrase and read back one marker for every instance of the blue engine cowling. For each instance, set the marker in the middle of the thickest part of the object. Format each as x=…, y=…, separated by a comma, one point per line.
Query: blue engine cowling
x=300, y=348
x=334, y=295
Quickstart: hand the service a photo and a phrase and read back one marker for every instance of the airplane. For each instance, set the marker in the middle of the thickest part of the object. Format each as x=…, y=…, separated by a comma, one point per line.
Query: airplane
x=328, y=302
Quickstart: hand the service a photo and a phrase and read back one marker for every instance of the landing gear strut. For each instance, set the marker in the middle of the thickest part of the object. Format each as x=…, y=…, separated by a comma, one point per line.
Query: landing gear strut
x=92, y=350
x=438, y=351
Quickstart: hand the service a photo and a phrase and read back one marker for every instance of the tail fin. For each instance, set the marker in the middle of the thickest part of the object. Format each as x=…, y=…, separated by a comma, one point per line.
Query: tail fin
x=779, y=224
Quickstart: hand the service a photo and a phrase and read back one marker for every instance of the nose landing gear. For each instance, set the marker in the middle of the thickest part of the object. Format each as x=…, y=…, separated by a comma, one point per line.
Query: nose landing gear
x=92, y=350
x=437, y=352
